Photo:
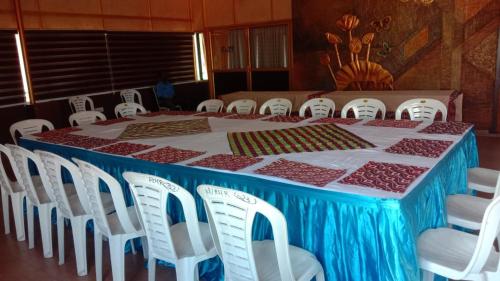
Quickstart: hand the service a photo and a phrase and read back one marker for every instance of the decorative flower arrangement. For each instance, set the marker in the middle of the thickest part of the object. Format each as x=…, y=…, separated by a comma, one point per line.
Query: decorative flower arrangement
x=357, y=74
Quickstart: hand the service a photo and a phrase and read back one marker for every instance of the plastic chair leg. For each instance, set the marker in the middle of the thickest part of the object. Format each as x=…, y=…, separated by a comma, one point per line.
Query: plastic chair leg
x=151, y=269
x=116, y=246
x=80, y=243
x=98, y=254
x=31, y=221
x=145, y=249
x=5, y=211
x=44, y=216
x=132, y=247
x=186, y=270
x=18, y=212
x=60, y=238
x=427, y=275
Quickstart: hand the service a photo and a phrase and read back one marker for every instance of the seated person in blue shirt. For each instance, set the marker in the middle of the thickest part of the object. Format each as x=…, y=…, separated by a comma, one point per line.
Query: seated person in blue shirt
x=165, y=92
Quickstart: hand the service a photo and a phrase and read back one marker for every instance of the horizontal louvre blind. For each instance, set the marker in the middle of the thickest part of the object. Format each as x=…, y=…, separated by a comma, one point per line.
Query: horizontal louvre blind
x=11, y=83
x=137, y=59
x=67, y=63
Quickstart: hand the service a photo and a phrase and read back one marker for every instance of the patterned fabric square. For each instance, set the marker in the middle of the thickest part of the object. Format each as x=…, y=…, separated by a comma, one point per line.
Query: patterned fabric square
x=168, y=155
x=165, y=129
x=385, y=176
x=420, y=147
x=344, y=121
x=449, y=128
x=90, y=142
x=124, y=148
x=246, y=116
x=294, y=140
x=113, y=121
x=215, y=114
x=57, y=132
x=226, y=162
x=301, y=172
x=165, y=112
x=408, y=124
x=281, y=118
x=62, y=138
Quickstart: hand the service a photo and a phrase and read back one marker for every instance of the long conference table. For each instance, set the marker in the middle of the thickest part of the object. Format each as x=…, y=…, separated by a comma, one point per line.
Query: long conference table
x=355, y=193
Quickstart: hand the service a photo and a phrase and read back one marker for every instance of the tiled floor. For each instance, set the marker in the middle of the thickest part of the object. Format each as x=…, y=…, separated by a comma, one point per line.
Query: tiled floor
x=19, y=263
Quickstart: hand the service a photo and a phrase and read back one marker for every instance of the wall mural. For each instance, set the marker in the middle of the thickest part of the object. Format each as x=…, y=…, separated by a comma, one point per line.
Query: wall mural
x=424, y=45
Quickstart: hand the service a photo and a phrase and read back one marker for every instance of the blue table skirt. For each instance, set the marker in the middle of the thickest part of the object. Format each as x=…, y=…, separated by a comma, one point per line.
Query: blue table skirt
x=354, y=237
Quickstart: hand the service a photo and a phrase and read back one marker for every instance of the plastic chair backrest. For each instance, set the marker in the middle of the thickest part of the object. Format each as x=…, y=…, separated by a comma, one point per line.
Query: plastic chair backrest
x=29, y=126
x=364, y=108
x=278, y=106
x=85, y=117
x=54, y=165
x=244, y=106
x=131, y=96
x=230, y=215
x=151, y=194
x=490, y=228
x=497, y=188
x=4, y=178
x=422, y=109
x=91, y=177
x=79, y=103
x=128, y=109
x=21, y=169
x=213, y=105
x=319, y=107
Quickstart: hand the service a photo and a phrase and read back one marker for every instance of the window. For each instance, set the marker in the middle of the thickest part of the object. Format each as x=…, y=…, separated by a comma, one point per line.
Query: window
x=269, y=47
x=200, y=57
x=11, y=83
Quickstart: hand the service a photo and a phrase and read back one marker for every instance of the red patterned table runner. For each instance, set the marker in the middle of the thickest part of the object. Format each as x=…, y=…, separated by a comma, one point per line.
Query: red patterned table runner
x=165, y=112
x=226, y=162
x=215, y=114
x=280, y=118
x=113, y=121
x=345, y=121
x=246, y=116
x=301, y=172
x=385, y=176
x=393, y=123
x=62, y=138
x=90, y=142
x=124, y=148
x=420, y=147
x=165, y=129
x=168, y=155
x=450, y=128
x=56, y=132
x=301, y=139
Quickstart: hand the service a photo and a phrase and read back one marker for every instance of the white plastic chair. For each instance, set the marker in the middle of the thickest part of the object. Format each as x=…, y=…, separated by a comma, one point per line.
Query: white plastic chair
x=483, y=179
x=459, y=255
x=36, y=194
x=319, y=107
x=118, y=227
x=244, y=106
x=277, y=106
x=128, y=109
x=230, y=215
x=184, y=244
x=85, y=117
x=131, y=96
x=74, y=207
x=422, y=109
x=28, y=127
x=16, y=193
x=364, y=108
x=79, y=103
x=467, y=210
x=212, y=105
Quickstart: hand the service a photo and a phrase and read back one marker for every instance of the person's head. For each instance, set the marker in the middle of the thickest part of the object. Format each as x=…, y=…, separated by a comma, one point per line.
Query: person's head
x=164, y=77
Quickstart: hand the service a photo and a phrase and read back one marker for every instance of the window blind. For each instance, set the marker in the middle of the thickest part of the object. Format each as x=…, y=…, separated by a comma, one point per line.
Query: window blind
x=11, y=83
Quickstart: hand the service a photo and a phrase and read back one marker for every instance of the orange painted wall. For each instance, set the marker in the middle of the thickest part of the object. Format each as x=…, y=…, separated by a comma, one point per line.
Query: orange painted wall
x=130, y=15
